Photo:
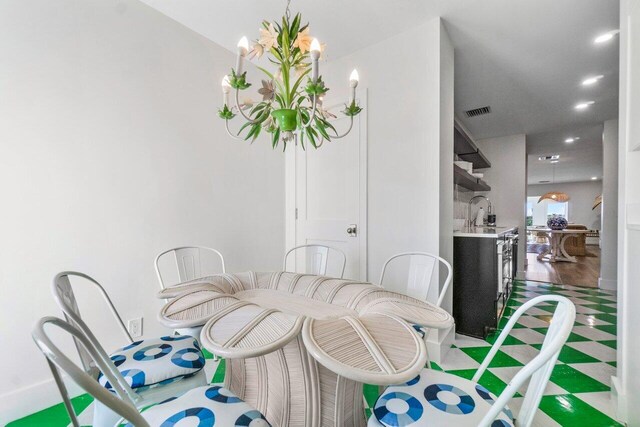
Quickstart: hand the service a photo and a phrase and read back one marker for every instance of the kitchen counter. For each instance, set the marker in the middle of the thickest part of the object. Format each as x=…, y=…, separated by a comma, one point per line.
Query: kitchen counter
x=484, y=231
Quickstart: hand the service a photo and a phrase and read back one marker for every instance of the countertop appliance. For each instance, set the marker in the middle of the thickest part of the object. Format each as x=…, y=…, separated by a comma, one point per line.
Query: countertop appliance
x=484, y=266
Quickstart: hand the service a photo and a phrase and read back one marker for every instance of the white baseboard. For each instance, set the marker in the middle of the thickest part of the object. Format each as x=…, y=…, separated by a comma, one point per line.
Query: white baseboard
x=609, y=284
x=36, y=397
x=618, y=400
x=439, y=343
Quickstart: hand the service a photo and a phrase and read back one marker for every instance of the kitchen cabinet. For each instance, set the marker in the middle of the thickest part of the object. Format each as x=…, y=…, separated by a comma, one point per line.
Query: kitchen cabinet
x=484, y=266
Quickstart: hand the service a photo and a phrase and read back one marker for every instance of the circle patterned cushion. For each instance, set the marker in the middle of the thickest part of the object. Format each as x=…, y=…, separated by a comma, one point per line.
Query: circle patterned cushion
x=148, y=363
x=204, y=407
x=435, y=398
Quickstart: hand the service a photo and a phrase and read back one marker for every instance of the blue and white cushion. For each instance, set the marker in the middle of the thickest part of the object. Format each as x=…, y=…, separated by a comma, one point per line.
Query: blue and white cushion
x=158, y=361
x=204, y=407
x=435, y=398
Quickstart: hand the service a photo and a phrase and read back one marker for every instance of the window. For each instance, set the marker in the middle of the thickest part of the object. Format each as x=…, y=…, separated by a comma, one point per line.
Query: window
x=539, y=213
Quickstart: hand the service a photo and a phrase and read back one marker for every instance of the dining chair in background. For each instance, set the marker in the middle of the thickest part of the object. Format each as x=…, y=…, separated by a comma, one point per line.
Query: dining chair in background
x=317, y=259
x=187, y=263
x=413, y=274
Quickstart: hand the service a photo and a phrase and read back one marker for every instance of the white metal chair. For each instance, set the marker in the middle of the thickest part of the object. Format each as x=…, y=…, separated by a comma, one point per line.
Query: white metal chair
x=429, y=396
x=204, y=403
x=415, y=281
x=188, y=262
x=155, y=369
x=317, y=259
x=189, y=266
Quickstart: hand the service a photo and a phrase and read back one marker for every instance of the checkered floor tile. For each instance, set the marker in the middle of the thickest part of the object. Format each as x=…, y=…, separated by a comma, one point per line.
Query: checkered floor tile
x=578, y=391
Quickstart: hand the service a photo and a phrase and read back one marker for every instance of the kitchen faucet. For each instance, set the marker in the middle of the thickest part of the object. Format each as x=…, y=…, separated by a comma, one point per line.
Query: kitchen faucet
x=470, y=222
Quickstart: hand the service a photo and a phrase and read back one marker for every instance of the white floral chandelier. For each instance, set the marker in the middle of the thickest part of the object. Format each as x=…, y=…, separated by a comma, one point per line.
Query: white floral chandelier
x=291, y=106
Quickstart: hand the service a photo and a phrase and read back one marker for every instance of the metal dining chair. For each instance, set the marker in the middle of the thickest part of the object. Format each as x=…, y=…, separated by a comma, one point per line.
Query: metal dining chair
x=431, y=397
x=154, y=369
x=188, y=263
x=204, y=404
x=412, y=273
x=415, y=278
x=317, y=259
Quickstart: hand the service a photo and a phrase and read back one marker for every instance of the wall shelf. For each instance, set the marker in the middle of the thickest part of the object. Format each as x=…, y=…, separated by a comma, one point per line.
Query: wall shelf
x=465, y=180
x=467, y=150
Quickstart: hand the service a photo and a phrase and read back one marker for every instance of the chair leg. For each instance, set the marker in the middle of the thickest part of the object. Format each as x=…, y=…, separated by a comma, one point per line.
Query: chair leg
x=64, y=393
x=428, y=365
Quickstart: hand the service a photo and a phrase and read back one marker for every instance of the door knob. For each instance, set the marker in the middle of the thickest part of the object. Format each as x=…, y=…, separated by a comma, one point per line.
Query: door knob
x=352, y=230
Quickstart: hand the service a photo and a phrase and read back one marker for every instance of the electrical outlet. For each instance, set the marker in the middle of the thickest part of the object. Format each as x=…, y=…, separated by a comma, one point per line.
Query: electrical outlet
x=135, y=327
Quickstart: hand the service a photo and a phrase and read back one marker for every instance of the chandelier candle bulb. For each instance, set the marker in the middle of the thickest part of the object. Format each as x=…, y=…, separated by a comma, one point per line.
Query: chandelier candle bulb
x=226, y=87
x=243, y=49
x=354, y=78
x=315, y=56
x=353, y=83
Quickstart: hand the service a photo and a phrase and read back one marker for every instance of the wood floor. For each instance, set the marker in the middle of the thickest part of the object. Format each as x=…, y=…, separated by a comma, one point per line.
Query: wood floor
x=583, y=273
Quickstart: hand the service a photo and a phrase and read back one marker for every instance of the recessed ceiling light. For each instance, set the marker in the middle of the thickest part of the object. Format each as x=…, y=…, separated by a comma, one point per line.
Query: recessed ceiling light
x=570, y=140
x=591, y=80
x=594, y=178
x=583, y=105
x=602, y=38
x=555, y=161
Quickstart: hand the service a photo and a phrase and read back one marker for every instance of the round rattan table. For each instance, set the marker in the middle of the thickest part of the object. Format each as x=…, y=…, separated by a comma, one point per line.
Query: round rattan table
x=299, y=347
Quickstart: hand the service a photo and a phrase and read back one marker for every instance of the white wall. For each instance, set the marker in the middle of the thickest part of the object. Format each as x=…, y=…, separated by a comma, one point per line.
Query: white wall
x=582, y=196
x=507, y=177
x=609, y=258
x=626, y=385
x=404, y=130
x=111, y=151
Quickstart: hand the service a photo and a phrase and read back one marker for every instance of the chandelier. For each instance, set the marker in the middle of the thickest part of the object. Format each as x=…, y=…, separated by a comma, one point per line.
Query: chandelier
x=291, y=107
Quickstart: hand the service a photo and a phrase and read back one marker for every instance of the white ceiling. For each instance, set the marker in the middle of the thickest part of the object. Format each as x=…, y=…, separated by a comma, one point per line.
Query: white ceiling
x=579, y=161
x=525, y=59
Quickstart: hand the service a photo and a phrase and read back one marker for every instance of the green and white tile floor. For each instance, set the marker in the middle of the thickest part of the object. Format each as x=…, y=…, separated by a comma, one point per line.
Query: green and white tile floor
x=577, y=395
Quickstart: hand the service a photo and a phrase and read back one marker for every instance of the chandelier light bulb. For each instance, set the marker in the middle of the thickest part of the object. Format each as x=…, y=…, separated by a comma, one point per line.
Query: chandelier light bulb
x=354, y=78
x=315, y=45
x=225, y=84
x=244, y=43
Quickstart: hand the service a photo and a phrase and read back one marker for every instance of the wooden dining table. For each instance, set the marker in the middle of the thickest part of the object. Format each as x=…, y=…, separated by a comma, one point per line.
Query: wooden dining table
x=299, y=347
x=557, y=238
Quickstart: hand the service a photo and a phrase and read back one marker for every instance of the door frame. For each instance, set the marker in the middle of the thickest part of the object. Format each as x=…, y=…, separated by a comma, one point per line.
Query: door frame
x=291, y=186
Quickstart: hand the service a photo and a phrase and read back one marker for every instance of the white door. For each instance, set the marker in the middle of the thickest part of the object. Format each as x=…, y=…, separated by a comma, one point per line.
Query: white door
x=330, y=197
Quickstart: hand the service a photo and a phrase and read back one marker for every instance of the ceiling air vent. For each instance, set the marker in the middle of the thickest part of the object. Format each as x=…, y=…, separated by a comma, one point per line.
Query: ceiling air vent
x=478, y=111
x=544, y=182
x=549, y=157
